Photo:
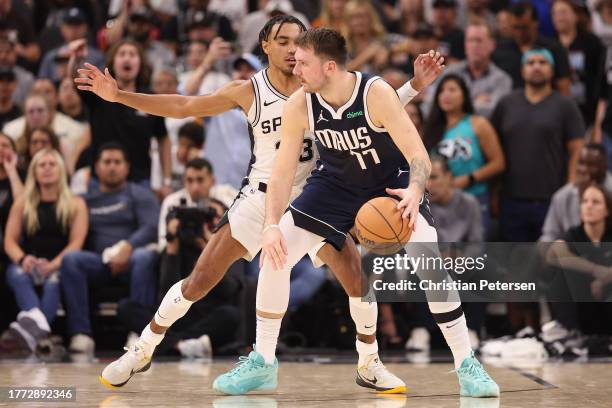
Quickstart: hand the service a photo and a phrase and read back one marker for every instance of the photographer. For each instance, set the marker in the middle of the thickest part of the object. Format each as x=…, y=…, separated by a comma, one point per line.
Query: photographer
x=186, y=220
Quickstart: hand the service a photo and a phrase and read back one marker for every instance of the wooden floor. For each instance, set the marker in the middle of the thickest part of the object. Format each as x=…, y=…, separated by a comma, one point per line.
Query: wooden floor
x=312, y=384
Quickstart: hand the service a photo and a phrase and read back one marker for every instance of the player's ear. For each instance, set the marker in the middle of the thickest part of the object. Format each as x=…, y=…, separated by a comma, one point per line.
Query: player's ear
x=265, y=46
x=330, y=66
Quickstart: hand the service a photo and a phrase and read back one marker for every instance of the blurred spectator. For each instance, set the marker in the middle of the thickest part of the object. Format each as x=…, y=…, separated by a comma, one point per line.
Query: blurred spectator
x=404, y=53
x=248, y=38
x=19, y=29
x=458, y=220
x=11, y=182
x=601, y=19
x=54, y=63
x=503, y=24
x=200, y=77
x=63, y=125
x=70, y=103
x=332, y=15
x=364, y=35
x=245, y=66
x=116, y=122
x=485, y=80
x=165, y=82
x=507, y=55
x=50, y=15
x=444, y=22
x=468, y=141
x=39, y=139
x=190, y=144
x=478, y=11
x=586, y=56
x=37, y=114
x=8, y=60
x=584, y=256
x=8, y=109
x=44, y=224
x=195, y=192
x=564, y=210
x=123, y=220
x=182, y=237
x=541, y=133
x=194, y=23
x=137, y=24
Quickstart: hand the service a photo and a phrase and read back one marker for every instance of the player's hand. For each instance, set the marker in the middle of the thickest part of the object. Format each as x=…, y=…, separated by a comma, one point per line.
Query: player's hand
x=410, y=200
x=94, y=80
x=274, y=249
x=427, y=67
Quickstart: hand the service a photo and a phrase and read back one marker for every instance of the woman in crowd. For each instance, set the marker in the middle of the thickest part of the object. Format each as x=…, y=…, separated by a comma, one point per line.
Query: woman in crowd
x=38, y=139
x=332, y=15
x=364, y=35
x=586, y=54
x=585, y=258
x=468, y=141
x=44, y=224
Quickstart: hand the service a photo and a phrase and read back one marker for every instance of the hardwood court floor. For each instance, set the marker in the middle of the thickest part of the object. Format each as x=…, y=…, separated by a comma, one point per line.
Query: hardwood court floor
x=309, y=384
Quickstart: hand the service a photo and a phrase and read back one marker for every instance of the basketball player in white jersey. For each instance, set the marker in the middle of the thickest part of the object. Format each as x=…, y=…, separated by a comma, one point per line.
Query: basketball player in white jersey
x=239, y=233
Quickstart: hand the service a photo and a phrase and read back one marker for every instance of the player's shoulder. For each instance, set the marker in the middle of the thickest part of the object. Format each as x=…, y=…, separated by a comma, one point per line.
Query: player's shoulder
x=379, y=88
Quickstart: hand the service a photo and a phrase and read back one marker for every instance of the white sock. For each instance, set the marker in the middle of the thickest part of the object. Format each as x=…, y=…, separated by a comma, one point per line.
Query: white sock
x=173, y=306
x=266, y=337
x=150, y=340
x=364, y=314
x=456, y=335
x=365, y=350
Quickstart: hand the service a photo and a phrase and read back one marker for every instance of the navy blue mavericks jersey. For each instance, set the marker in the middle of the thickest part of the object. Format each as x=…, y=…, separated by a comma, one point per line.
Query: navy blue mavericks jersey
x=352, y=149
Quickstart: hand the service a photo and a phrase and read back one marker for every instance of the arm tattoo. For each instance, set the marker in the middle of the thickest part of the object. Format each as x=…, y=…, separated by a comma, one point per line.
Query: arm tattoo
x=419, y=172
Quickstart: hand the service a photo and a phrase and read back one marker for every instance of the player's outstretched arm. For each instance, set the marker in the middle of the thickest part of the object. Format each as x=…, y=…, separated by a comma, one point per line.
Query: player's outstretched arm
x=386, y=111
x=427, y=68
x=235, y=94
x=294, y=122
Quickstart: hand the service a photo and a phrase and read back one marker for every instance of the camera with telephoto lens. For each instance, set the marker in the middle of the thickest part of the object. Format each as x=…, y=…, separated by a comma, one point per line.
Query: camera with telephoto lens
x=191, y=221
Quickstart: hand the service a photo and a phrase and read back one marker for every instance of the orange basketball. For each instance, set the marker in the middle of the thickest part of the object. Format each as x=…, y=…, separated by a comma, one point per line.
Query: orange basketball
x=379, y=226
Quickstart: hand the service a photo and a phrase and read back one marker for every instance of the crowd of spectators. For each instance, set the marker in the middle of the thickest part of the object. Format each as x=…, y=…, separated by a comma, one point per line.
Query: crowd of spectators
x=94, y=193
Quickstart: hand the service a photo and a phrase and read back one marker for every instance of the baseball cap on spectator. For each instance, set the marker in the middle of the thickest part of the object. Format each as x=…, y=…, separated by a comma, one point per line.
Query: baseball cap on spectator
x=7, y=74
x=423, y=30
x=284, y=6
x=444, y=3
x=249, y=59
x=200, y=19
x=74, y=15
x=141, y=14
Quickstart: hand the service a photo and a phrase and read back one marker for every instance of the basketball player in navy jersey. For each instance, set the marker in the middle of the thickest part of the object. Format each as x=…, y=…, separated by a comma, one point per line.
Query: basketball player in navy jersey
x=368, y=147
x=239, y=234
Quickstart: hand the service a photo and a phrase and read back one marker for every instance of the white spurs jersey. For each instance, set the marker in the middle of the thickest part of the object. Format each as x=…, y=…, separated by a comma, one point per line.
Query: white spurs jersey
x=265, y=120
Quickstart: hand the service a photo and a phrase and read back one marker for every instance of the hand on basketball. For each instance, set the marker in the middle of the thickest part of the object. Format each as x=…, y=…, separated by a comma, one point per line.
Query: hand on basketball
x=409, y=203
x=427, y=67
x=94, y=80
x=273, y=249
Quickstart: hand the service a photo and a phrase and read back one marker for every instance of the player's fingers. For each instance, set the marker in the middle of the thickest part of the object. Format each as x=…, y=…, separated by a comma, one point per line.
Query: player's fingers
x=283, y=245
x=81, y=80
x=93, y=68
x=282, y=256
x=393, y=191
x=85, y=88
x=107, y=73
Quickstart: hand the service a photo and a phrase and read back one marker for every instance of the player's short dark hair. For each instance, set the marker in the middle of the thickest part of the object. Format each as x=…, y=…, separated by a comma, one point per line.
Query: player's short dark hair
x=598, y=147
x=324, y=42
x=112, y=146
x=282, y=19
x=194, y=132
x=520, y=8
x=199, y=163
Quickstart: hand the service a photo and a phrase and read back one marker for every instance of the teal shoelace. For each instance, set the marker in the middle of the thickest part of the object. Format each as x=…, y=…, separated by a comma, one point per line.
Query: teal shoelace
x=245, y=364
x=476, y=370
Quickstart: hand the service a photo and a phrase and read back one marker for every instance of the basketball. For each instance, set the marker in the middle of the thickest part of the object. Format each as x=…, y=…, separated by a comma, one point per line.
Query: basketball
x=380, y=228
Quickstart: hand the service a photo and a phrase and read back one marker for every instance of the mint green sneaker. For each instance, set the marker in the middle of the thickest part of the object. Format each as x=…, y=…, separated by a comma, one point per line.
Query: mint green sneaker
x=252, y=374
x=474, y=380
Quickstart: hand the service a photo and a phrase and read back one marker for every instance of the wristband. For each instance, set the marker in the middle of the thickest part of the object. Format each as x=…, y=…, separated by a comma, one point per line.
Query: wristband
x=269, y=227
x=406, y=93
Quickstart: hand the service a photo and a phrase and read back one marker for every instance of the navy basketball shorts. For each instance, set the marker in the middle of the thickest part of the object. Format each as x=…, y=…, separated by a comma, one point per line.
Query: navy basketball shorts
x=328, y=208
